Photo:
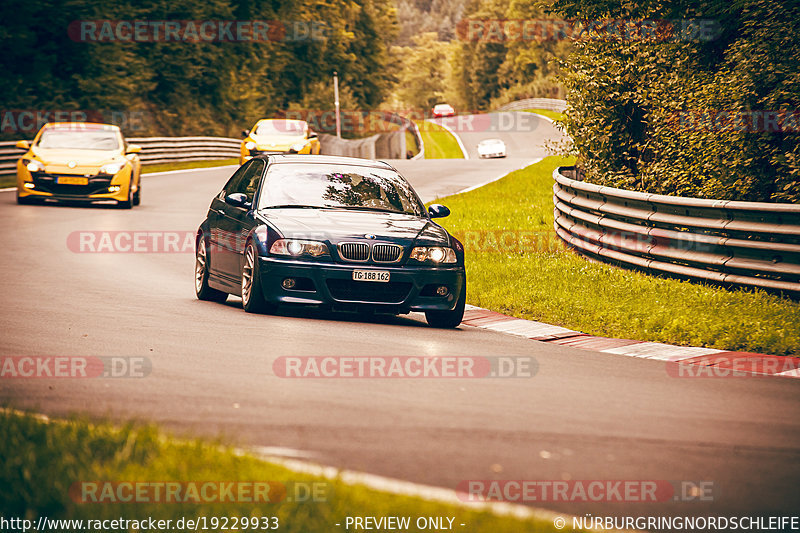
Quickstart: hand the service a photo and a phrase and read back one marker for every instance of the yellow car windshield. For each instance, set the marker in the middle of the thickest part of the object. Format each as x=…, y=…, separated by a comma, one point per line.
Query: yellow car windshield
x=78, y=140
x=280, y=127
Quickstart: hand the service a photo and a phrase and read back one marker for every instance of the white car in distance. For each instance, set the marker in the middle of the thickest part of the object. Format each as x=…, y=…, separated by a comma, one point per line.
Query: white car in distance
x=491, y=148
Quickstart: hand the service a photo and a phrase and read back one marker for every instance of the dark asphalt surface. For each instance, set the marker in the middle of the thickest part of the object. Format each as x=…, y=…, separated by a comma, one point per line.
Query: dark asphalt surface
x=584, y=415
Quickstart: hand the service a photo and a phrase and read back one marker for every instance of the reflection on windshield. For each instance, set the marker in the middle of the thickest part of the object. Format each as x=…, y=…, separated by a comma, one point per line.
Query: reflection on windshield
x=79, y=140
x=280, y=127
x=339, y=186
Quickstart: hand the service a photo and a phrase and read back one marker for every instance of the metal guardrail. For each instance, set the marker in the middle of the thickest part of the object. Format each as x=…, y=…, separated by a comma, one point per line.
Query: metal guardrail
x=551, y=104
x=174, y=149
x=732, y=243
x=154, y=150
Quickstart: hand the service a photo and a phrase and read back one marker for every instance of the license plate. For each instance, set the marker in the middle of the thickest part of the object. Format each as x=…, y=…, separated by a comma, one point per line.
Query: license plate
x=69, y=180
x=370, y=275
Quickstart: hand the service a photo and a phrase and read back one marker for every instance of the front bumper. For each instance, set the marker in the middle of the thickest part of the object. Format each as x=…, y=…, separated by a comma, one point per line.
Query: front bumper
x=411, y=288
x=45, y=185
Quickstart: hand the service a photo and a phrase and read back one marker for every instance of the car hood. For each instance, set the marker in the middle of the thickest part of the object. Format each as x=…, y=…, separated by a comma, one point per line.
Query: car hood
x=58, y=160
x=282, y=142
x=336, y=225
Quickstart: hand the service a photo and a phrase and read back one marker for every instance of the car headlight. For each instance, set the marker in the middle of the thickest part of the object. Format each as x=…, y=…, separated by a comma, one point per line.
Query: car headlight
x=296, y=147
x=297, y=248
x=111, y=168
x=249, y=145
x=434, y=254
x=33, y=165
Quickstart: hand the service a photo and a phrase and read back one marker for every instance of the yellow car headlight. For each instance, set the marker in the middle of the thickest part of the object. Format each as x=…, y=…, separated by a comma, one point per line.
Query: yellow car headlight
x=296, y=147
x=33, y=165
x=250, y=145
x=111, y=168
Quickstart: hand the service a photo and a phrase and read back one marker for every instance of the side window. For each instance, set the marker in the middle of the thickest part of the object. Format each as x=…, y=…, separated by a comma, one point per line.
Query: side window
x=251, y=179
x=230, y=186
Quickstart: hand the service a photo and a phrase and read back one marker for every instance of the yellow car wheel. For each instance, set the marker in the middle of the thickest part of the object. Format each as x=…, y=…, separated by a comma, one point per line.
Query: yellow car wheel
x=127, y=204
x=137, y=196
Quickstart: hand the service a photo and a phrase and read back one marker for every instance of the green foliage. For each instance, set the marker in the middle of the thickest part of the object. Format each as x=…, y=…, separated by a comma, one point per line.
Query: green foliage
x=423, y=16
x=641, y=112
x=191, y=88
x=422, y=80
x=487, y=74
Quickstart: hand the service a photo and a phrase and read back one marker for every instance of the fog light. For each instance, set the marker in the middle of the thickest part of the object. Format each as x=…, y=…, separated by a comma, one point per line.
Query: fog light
x=442, y=290
x=114, y=188
x=288, y=283
x=28, y=185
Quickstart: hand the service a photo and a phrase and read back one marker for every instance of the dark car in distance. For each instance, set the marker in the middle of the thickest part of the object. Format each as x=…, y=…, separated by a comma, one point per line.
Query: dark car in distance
x=341, y=233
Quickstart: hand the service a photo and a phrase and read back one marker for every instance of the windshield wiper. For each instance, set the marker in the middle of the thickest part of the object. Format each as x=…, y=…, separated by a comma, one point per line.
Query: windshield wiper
x=293, y=206
x=364, y=208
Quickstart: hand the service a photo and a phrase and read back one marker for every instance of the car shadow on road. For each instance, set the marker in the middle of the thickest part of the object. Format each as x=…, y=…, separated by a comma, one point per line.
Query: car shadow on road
x=317, y=313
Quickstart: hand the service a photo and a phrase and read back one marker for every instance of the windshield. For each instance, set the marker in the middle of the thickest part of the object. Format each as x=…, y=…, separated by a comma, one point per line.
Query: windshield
x=338, y=186
x=281, y=127
x=79, y=139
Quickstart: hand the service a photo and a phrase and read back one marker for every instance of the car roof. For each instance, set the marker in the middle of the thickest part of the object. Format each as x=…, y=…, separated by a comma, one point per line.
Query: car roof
x=81, y=125
x=281, y=120
x=327, y=159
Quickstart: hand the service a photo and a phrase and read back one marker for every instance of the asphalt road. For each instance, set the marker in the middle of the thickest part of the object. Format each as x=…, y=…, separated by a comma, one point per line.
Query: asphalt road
x=583, y=416
x=525, y=134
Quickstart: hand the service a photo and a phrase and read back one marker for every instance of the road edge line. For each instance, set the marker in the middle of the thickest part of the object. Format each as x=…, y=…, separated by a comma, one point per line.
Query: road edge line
x=454, y=134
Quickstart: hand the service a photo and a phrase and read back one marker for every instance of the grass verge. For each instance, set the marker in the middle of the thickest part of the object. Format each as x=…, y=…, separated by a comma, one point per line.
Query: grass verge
x=44, y=465
x=553, y=115
x=8, y=180
x=517, y=266
x=164, y=167
x=439, y=143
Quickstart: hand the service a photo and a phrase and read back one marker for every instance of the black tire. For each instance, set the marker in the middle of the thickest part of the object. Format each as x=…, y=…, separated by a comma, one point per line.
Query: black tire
x=127, y=204
x=137, y=196
x=252, y=293
x=201, y=287
x=449, y=319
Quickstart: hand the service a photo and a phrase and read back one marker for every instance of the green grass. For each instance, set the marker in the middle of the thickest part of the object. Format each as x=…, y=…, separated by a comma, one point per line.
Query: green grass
x=549, y=283
x=8, y=180
x=164, y=167
x=554, y=115
x=43, y=460
x=439, y=143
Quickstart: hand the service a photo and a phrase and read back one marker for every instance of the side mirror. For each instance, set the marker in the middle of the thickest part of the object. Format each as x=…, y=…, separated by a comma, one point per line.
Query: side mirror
x=237, y=199
x=245, y=133
x=438, y=211
x=133, y=149
x=24, y=145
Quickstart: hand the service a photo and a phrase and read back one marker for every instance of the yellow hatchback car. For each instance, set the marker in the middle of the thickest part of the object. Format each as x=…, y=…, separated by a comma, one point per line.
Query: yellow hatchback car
x=279, y=136
x=79, y=161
